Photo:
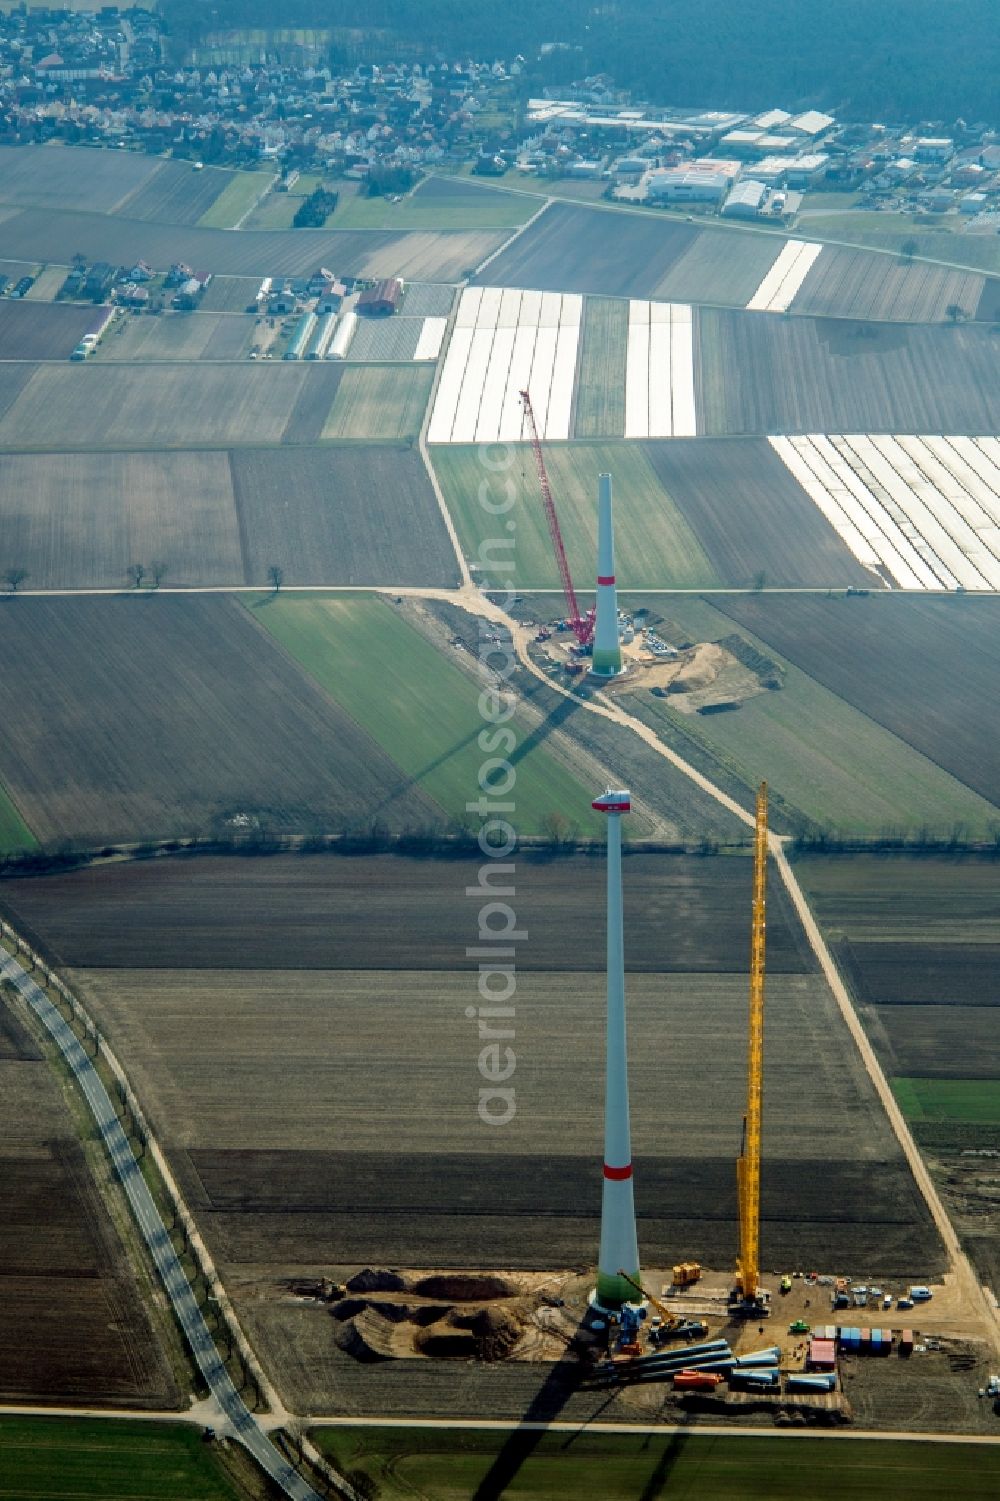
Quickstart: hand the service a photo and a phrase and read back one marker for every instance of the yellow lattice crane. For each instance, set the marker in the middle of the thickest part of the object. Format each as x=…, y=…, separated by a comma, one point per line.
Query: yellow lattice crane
x=748, y=1166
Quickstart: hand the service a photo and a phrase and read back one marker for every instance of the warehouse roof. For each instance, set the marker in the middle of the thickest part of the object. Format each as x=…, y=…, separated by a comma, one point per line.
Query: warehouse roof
x=811, y=122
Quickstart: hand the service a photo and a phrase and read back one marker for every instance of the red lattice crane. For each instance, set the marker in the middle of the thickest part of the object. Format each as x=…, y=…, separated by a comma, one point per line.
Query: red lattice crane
x=581, y=626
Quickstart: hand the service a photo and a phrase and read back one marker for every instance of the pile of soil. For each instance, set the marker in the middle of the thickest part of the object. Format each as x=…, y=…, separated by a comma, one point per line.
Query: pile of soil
x=372, y=1280
x=368, y=1337
x=464, y=1287
x=443, y=1341
x=496, y=1332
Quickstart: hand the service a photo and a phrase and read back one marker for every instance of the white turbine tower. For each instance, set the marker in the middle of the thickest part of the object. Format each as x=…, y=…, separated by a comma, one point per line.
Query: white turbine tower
x=619, y=1245
x=607, y=655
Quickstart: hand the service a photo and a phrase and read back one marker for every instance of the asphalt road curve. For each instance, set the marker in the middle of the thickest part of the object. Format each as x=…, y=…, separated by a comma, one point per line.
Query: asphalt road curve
x=147, y=1217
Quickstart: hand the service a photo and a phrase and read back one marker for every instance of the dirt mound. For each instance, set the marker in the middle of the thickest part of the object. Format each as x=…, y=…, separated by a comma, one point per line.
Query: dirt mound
x=462, y=1287
x=496, y=1332
x=372, y=1280
x=442, y=1341
x=368, y=1336
x=348, y=1307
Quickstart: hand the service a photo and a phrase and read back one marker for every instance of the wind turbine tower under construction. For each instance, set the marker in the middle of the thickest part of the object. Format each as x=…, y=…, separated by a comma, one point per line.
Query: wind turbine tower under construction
x=607, y=652
x=619, y=1245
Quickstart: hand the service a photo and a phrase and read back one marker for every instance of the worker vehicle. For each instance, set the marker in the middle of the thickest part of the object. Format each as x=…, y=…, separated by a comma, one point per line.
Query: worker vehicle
x=920, y=1294
x=786, y=1284
x=799, y=1327
x=904, y=1303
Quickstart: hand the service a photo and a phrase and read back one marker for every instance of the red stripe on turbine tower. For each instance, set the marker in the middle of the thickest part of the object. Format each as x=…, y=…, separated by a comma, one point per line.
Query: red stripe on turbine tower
x=617, y=1174
x=608, y=580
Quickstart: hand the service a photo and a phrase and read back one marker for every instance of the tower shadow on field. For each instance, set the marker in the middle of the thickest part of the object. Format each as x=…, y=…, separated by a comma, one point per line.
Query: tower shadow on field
x=562, y=1382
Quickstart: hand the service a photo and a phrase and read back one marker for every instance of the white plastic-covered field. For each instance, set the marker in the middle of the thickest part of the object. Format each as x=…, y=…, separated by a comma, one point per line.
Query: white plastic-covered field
x=431, y=338
x=504, y=342
x=659, y=371
x=922, y=512
x=782, y=282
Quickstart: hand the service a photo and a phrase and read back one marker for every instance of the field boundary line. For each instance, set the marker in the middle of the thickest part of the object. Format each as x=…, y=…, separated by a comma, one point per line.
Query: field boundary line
x=268, y=188
x=508, y=242
x=465, y=577
x=248, y=1429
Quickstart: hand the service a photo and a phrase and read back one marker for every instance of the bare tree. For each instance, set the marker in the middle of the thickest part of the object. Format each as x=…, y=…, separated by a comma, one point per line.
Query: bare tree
x=275, y=576
x=137, y=572
x=157, y=570
x=14, y=578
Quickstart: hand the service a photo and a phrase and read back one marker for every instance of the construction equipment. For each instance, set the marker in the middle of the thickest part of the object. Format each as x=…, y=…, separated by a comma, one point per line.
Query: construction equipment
x=749, y=1297
x=581, y=626
x=673, y=1326
x=661, y=1308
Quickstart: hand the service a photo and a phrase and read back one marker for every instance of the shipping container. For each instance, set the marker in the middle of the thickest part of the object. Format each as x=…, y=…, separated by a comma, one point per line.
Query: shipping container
x=696, y=1381
x=822, y=1354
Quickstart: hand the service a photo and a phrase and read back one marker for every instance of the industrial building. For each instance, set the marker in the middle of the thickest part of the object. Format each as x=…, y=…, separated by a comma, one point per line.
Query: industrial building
x=746, y=200
x=696, y=182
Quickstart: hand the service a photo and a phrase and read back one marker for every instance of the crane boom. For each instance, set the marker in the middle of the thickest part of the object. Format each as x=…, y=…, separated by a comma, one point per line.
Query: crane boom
x=582, y=628
x=748, y=1165
x=661, y=1308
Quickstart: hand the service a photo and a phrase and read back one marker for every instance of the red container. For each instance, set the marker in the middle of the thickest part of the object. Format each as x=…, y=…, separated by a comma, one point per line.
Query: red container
x=822, y=1355
x=698, y=1381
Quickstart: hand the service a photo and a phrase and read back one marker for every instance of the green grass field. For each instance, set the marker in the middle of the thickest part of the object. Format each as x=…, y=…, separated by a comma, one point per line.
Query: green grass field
x=420, y=707
x=976, y=1101
x=600, y=397
x=414, y=211
x=823, y=757
x=654, y=546
x=47, y=1459
x=981, y=252
x=236, y=199
x=380, y=401
x=278, y=210
x=432, y=1466
x=14, y=832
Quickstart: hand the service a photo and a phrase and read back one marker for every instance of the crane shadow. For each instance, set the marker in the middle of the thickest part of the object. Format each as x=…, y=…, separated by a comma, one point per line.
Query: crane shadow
x=659, y=1479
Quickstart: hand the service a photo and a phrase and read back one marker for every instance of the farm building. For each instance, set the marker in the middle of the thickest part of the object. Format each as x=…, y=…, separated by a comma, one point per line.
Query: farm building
x=301, y=337
x=381, y=300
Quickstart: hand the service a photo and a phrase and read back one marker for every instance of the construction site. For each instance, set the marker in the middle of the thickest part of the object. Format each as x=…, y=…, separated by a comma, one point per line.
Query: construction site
x=790, y=1343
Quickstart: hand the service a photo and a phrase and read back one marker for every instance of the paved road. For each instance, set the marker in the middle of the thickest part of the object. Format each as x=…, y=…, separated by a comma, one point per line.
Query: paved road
x=245, y=1427
x=688, y=1430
